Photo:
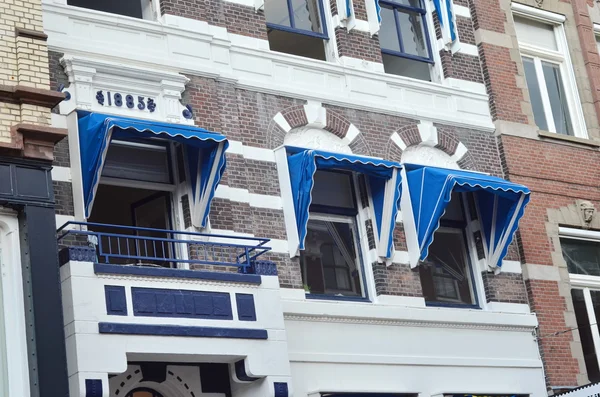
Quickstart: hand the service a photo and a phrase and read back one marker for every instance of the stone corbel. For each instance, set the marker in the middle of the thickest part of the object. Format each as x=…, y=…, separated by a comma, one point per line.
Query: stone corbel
x=33, y=141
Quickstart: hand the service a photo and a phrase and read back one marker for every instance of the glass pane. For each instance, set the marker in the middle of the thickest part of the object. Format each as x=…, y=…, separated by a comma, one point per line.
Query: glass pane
x=307, y=15
x=329, y=259
x=333, y=189
x=410, y=3
x=296, y=44
x=276, y=12
x=388, y=33
x=445, y=274
x=535, y=33
x=138, y=163
x=534, y=94
x=413, y=34
x=127, y=8
x=406, y=67
x=558, y=100
x=585, y=333
x=582, y=257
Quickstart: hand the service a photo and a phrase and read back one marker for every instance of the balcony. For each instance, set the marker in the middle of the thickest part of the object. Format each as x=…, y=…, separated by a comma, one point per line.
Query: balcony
x=135, y=295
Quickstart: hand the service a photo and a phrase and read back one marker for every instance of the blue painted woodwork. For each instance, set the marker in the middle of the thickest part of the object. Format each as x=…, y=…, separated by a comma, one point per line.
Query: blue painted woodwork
x=245, y=307
x=116, y=302
x=101, y=268
x=93, y=388
x=176, y=330
x=154, y=302
x=281, y=389
x=232, y=251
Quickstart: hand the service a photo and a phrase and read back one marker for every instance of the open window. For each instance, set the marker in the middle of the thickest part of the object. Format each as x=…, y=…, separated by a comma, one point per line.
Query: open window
x=297, y=27
x=331, y=260
x=404, y=38
x=447, y=273
x=131, y=8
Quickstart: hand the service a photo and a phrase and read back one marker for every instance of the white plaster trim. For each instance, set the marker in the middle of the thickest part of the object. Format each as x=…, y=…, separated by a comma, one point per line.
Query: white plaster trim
x=247, y=3
x=462, y=11
x=502, y=307
x=61, y=174
x=398, y=141
x=537, y=13
x=362, y=26
x=532, y=271
x=277, y=245
x=467, y=85
x=597, y=28
x=511, y=267
x=235, y=147
x=379, y=359
x=408, y=301
x=579, y=233
x=58, y=120
x=62, y=219
x=251, y=152
x=187, y=46
x=244, y=196
x=461, y=151
x=582, y=280
x=351, y=134
x=428, y=132
x=468, y=49
x=289, y=213
x=316, y=115
x=400, y=257
x=282, y=122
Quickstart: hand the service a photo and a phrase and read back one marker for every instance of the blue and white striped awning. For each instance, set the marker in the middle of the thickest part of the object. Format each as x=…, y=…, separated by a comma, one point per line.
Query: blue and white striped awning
x=384, y=183
x=205, y=154
x=427, y=192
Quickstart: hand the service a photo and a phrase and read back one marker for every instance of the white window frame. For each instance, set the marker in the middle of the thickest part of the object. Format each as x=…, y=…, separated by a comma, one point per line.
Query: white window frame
x=584, y=282
x=560, y=57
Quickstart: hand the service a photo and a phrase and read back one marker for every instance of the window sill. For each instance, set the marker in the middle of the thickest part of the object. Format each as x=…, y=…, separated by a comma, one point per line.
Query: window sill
x=338, y=298
x=452, y=305
x=567, y=138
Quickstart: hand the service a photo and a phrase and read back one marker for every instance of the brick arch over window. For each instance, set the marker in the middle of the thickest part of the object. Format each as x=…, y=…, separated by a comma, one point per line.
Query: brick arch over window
x=427, y=134
x=315, y=115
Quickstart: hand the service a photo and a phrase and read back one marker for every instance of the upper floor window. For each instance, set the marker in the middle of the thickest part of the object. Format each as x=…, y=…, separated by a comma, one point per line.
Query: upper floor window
x=447, y=275
x=549, y=75
x=131, y=8
x=582, y=254
x=331, y=262
x=297, y=27
x=404, y=38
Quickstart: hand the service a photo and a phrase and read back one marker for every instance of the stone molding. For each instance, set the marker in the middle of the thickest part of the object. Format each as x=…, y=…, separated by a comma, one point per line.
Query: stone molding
x=33, y=141
x=20, y=94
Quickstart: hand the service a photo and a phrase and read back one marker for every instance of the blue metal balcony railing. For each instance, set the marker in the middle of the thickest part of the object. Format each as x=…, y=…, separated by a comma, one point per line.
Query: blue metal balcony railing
x=140, y=245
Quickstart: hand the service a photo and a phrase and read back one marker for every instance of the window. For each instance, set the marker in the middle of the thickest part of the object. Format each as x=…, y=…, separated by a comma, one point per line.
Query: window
x=296, y=27
x=549, y=77
x=582, y=254
x=446, y=275
x=331, y=263
x=131, y=8
x=136, y=189
x=404, y=38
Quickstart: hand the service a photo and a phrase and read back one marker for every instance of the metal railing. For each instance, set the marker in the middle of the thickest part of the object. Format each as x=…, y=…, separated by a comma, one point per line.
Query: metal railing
x=140, y=245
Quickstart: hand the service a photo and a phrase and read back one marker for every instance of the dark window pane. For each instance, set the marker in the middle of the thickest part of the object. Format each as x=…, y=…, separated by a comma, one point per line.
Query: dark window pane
x=307, y=15
x=445, y=274
x=558, y=100
x=388, y=33
x=130, y=8
x=276, y=12
x=413, y=34
x=137, y=163
x=410, y=3
x=406, y=67
x=296, y=44
x=582, y=257
x=585, y=333
x=329, y=262
x=333, y=189
x=534, y=94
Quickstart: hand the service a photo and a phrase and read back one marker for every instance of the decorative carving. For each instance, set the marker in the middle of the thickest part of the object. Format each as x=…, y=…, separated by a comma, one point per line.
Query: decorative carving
x=587, y=212
x=263, y=268
x=100, y=97
x=188, y=113
x=81, y=254
x=427, y=155
x=315, y=138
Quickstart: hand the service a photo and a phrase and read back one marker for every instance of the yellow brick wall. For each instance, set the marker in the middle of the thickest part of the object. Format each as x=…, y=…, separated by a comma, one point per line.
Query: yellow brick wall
x=23, y=61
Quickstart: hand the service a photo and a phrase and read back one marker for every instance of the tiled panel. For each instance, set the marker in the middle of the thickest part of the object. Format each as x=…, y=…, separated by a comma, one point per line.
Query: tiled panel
x=153, y=302
x=116, y=302
x=245, y=307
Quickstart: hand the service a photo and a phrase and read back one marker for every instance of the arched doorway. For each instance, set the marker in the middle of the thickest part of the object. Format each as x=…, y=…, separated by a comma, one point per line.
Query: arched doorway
x=144, y=392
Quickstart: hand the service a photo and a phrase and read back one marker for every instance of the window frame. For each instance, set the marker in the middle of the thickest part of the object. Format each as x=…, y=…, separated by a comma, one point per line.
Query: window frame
x=424, y=14
x=562, y=57
x=585, y=283
x=352, y=217
x=291, y=29
x=466, y=227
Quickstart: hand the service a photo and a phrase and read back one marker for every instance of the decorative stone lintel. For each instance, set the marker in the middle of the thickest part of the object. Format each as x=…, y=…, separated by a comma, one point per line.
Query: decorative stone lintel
x=30, y=95
x=31, y=34
x=33, y=141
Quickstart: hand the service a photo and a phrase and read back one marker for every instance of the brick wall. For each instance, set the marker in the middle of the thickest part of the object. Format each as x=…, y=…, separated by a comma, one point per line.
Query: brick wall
x=504, y=287
x=356, y=44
